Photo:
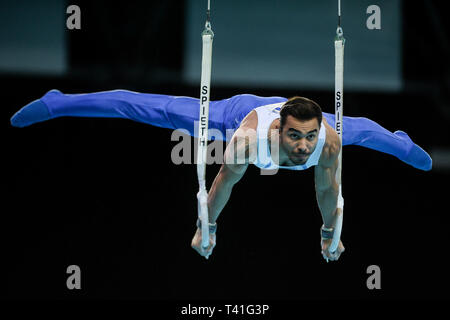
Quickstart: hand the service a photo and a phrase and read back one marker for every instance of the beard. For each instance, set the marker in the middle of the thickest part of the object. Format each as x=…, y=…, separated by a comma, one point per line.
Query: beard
x=295, y=157
x=299, y=158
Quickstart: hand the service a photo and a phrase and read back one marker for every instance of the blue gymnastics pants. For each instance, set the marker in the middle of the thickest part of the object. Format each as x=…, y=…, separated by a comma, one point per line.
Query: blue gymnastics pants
x=175, y=112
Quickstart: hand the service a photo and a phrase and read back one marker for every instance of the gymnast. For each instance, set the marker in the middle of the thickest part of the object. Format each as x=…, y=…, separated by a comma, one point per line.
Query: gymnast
x=293, y=133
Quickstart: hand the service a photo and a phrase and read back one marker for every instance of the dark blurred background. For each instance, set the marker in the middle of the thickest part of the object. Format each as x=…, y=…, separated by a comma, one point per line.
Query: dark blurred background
x=104, y=194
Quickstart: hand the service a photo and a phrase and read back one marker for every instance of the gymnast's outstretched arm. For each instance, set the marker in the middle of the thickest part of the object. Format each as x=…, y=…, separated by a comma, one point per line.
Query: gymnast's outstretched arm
x=238, y=155
x=327, y=191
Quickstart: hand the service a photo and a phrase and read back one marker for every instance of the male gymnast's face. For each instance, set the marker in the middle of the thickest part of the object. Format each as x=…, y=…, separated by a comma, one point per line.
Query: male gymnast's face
x=298, y=139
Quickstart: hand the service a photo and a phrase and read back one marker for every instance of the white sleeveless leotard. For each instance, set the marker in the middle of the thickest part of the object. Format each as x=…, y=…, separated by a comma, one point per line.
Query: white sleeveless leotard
x=266, y=114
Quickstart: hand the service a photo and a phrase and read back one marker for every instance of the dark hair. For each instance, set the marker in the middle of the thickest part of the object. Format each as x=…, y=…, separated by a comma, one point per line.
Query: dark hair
x=300, y=108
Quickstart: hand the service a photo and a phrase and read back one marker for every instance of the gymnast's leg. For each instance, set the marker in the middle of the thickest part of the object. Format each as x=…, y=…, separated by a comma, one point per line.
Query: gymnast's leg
x=367, y=133
x=165, y=111
x=152, y=109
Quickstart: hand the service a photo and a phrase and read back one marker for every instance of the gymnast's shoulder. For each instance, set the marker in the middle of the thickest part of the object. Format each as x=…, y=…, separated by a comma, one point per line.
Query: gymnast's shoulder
x=242, y=147
x=331, y=147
